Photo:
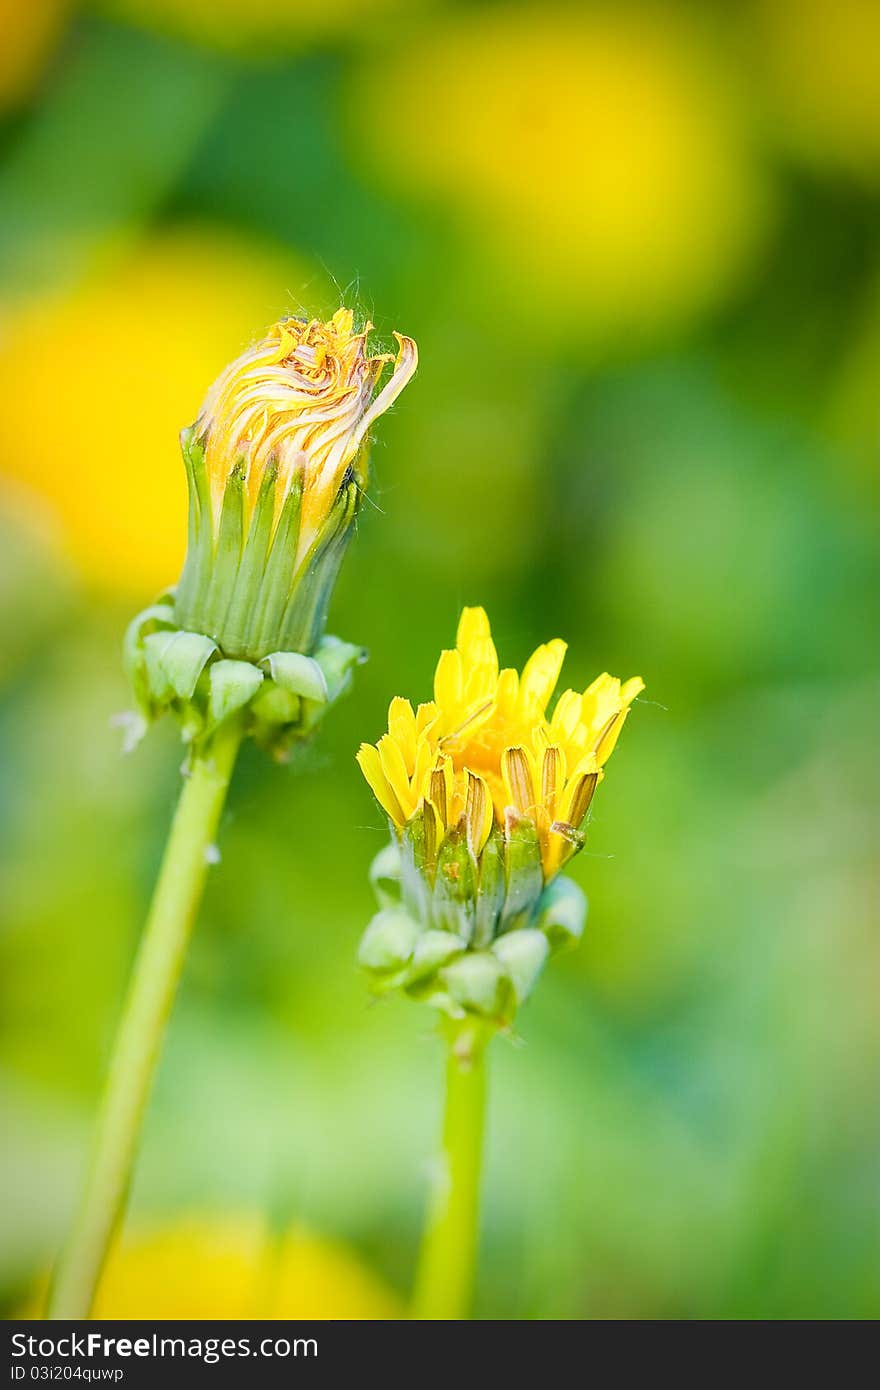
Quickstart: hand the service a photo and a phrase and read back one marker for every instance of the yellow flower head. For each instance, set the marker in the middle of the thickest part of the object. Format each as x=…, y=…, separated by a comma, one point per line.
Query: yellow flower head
x=301, y=399
x=485, y=751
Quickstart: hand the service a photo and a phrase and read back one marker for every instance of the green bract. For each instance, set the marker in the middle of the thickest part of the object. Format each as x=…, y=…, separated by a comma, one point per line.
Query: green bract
x=468, y=937
x=243, y=633
x=280, y=698
x=244, y=583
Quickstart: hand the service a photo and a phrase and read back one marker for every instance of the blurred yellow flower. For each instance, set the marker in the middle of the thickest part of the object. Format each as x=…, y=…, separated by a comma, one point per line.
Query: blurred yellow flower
x=28, y=29
x=259, y=26
x=485, y=746
x=822, y=58
x=599, y=153
x=232, y=1267
x=102, y=376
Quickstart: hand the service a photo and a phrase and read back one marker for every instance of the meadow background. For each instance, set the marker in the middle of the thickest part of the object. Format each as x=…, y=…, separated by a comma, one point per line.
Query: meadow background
x=639, y=246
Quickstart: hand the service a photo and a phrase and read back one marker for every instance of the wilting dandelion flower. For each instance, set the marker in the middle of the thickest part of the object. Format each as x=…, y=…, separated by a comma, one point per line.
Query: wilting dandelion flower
x=276, y=467
x=487, y=792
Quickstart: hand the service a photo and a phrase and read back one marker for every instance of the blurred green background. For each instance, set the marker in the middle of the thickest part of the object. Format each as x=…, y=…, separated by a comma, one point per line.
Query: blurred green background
x=639, y=247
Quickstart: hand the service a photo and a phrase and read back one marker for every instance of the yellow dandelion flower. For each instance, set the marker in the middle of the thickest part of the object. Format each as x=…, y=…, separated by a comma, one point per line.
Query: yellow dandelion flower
x=487, y=793
x=399, y=764
x=488, y=729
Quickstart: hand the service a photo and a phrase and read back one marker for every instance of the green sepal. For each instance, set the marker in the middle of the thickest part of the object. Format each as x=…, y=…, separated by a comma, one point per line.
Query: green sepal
x=478, y=983
x=387, y=946
x=278, y=576
x=232, y=685
x=196, y=575
x=337, y=660
x=305, y=612
x=452, y=902
x=274, y=707
x=227, y=555
x=237, y=635
x=299, y=674
x=242, y=583
x=158, y=681
x=414, y=877
x=159, y=616
x=524, y=872
x=562, y=913
x=433, y=949
x=491, y=890
x=385, y=875
x=183, y=659
x=522, y=954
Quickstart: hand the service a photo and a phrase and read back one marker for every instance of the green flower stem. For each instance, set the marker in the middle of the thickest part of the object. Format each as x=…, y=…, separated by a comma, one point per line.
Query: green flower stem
x=447, y=1263
x=141, y=1031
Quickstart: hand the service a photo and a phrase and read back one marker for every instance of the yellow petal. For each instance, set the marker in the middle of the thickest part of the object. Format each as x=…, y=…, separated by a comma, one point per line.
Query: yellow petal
x=425, y=716
x=396, y=773
x=507, y=692
x=426, y=756
x=567, y=715
x=478, y=655
x=473, y=626
x=404, y=367
x=604, y=745
x=448, y=680
x=541, y=672
x=402, y=728
x=370, y=765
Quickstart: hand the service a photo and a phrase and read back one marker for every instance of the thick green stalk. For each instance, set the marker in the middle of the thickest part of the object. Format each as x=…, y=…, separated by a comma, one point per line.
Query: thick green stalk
x=447, y=1263
x=142, y=1028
